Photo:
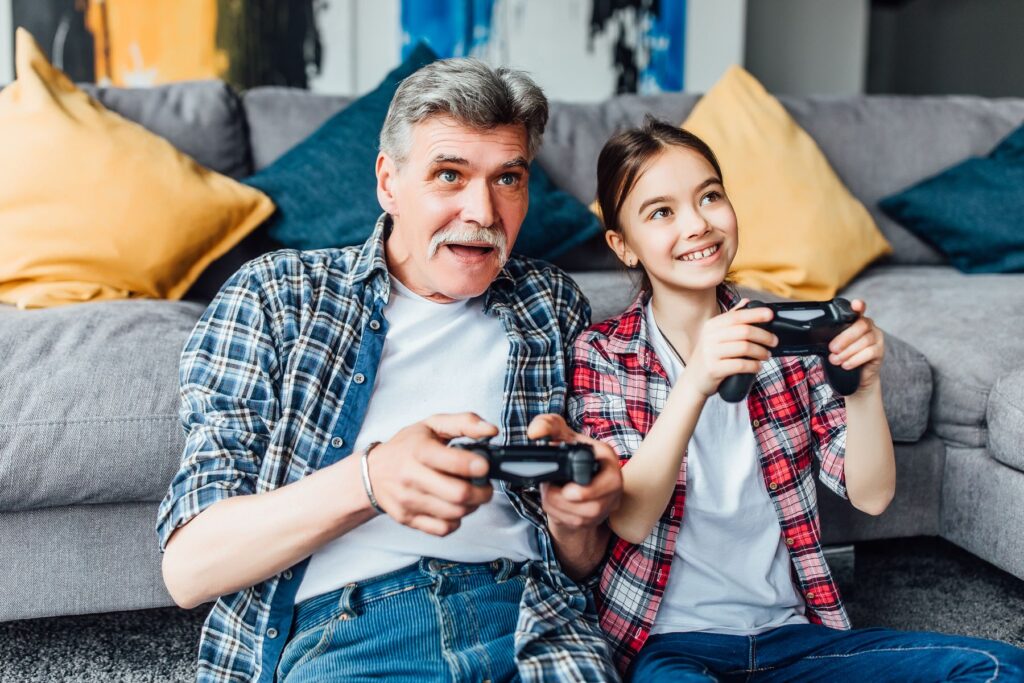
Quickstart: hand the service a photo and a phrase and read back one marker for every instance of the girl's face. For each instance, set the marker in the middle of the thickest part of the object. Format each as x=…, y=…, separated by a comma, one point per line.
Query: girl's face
x=678, y=223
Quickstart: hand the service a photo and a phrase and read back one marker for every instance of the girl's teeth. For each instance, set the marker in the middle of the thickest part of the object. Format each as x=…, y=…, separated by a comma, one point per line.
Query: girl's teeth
x=701, y=254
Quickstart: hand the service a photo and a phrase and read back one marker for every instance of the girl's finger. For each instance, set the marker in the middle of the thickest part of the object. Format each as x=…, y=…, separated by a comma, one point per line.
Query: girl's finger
x=861, y=358
x=847, y=336
x=737, y=366
x=741, y=349
x=752, y=333
x=854, y=347
x=740, y=304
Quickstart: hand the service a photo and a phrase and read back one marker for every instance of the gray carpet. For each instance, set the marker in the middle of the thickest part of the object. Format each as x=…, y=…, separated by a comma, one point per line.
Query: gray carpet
x=918, y=584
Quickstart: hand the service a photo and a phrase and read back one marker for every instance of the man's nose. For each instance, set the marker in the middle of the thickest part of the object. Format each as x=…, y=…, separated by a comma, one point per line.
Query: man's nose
x=478, y=205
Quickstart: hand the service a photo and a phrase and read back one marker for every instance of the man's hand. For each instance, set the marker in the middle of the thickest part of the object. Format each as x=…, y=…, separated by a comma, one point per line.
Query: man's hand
x=424, y=484
x=576, y=514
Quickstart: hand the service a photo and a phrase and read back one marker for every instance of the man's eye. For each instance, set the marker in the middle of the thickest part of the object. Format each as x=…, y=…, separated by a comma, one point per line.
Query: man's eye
x=663, y=212
x=508, y=179
x=712, y=196
x=448, y=176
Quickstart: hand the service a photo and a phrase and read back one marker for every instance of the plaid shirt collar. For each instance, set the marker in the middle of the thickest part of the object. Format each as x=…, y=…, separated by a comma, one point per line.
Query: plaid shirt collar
x=632, y=338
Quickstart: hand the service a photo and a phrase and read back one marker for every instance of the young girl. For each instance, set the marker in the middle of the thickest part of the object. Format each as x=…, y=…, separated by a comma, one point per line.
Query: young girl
x=718, y=571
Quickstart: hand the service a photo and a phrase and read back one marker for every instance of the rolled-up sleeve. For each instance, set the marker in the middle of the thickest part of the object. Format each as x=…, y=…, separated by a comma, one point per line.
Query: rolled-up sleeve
x=597, y=406
x=828, y=426
x=229, y=372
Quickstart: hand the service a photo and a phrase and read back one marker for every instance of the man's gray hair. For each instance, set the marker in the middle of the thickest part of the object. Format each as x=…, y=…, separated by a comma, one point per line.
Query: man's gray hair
x=472, y=93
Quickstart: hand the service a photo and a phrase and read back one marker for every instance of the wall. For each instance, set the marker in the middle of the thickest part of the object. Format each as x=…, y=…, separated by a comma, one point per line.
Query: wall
x=808, y=47
x=930, y=47
x=362, y=42
x=6, y=43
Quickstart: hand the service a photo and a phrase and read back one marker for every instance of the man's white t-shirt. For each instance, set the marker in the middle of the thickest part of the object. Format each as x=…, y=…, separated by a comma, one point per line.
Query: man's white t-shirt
x=437, y=358
x=731, y=572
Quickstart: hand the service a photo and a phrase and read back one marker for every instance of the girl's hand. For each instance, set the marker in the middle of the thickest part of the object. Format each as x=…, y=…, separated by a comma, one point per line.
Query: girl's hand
x=861, y=345
x=730, y=344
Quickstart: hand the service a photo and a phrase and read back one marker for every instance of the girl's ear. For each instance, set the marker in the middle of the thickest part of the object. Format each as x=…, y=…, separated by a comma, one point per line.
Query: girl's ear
x=618, y=245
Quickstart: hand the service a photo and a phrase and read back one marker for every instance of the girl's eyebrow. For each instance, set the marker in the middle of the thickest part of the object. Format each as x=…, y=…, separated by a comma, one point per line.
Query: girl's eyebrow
x=652, y=200
x=713, y=180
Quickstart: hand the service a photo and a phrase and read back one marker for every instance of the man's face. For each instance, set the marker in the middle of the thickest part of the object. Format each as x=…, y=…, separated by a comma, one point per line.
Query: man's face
x=457, y=202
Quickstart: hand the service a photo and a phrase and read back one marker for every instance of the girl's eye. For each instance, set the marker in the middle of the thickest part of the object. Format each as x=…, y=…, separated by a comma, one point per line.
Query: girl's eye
x=663, y=212
x=712, y=196
x=508, y=179
x=448, y=176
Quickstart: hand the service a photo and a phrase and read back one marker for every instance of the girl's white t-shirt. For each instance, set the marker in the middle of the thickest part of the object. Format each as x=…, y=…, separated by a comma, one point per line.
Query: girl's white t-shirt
x=731, y=572
x=437, y=358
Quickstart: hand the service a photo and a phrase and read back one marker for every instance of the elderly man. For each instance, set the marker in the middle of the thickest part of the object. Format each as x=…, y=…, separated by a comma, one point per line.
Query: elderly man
x=318, y=498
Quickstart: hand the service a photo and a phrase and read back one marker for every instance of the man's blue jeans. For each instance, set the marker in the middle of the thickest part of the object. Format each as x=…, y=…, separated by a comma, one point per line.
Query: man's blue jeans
x=434, y=620
x=816, y=653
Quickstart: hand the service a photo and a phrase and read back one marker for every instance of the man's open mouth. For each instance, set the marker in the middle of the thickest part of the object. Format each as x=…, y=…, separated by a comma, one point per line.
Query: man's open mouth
x=470, y=250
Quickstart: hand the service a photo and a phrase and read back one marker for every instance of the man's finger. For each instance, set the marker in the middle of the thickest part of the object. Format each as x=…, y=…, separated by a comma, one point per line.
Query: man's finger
x=457, y=462
x=448, y=426
x=432, y=525
x=550, y=426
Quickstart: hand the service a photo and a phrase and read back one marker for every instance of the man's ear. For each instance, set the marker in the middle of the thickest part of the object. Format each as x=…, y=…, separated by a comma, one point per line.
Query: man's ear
x=618, y=245
x=386, y=172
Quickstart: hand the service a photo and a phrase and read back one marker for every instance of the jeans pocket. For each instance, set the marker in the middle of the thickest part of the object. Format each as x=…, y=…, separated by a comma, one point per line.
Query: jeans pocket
x=310, y=643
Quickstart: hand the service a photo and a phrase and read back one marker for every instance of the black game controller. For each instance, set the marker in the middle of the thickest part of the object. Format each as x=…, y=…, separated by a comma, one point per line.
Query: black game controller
x=533, y=464
x=804, y=328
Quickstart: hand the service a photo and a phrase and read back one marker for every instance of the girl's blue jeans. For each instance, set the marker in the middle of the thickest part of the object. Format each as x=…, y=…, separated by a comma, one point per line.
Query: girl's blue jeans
x=807, y=652
x=433, y=620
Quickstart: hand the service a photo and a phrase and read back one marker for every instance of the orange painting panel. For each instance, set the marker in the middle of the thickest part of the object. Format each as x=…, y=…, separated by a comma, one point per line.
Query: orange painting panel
x=156, y=41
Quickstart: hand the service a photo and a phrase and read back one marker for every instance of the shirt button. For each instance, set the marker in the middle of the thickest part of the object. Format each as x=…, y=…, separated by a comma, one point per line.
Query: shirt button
x=337, y=442
x=271, y=632
x=287, y=576
x=790, y=542
x=359, y=378
x=374, y=325
x=810, y=596
x=773, y=486
x=756, y=423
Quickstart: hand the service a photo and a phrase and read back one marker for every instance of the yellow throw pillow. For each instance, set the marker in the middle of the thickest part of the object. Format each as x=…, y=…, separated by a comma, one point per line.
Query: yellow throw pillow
x=93, y=206
x=802, y=234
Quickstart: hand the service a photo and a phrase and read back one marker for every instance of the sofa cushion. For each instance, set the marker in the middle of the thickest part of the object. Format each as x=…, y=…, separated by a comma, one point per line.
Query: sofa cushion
x=1006, y=420
x=971, y=212
x=969, y=327
x=906, y=375
x=203, y=119
x=89, y=402
x=802, y=235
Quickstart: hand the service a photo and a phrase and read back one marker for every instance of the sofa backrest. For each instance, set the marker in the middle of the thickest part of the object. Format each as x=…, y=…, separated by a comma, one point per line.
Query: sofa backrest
x=877, y=144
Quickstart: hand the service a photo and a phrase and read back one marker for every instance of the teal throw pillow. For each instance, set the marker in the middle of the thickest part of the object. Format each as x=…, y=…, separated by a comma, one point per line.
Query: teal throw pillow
x=973, y=212
x=325, y=187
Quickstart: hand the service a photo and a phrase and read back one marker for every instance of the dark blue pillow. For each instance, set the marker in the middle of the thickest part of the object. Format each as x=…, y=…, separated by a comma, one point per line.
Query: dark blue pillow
x=325, y=187
x=973, y=212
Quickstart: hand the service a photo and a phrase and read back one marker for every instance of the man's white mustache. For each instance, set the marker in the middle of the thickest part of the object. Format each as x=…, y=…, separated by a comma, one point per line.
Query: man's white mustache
x=467, y=234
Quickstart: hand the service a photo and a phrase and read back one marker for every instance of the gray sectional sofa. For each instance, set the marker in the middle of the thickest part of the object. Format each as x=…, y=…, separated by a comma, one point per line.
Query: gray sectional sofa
x=89, y=437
